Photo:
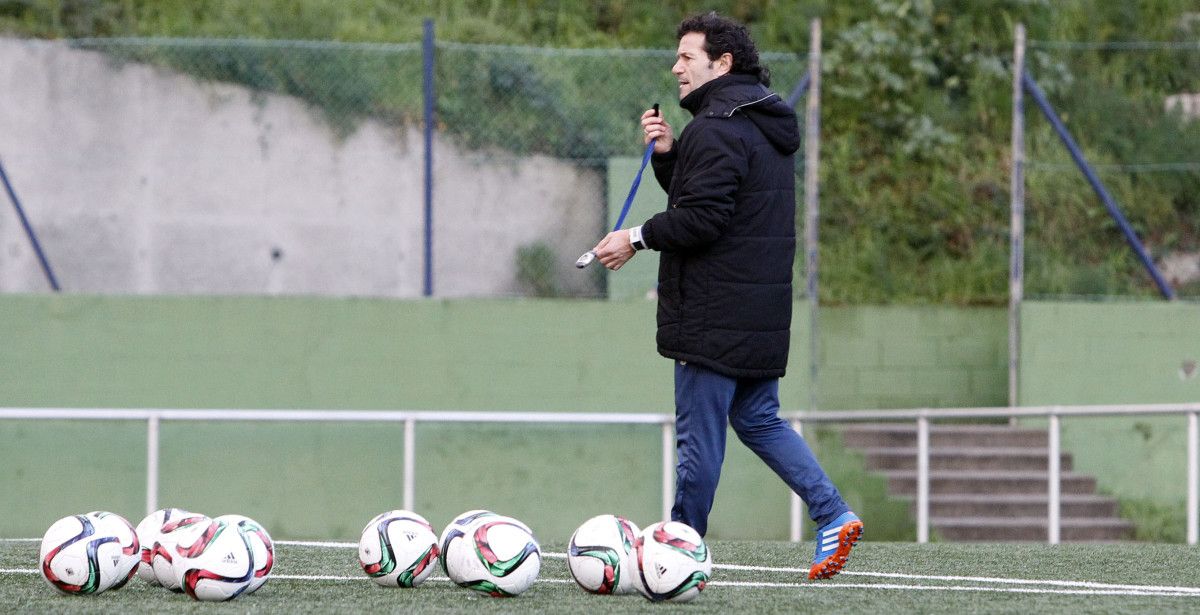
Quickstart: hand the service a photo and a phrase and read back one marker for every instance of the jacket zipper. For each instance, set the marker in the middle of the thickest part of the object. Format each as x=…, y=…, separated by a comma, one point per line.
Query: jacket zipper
x=753, y=102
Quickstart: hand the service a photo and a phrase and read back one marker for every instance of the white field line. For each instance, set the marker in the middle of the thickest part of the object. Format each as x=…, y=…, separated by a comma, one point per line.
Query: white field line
x=1195, y=591
x=956, y=588
x=317, y=543
x=800, y=586
x=310, y=577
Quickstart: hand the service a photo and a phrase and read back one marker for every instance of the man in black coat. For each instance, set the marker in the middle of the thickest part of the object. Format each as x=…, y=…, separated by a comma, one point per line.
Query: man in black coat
x=727, y=243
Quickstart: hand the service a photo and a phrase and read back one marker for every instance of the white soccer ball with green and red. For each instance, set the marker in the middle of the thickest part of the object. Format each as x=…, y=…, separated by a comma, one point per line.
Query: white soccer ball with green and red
x=217, y=564
x=602, y=555
x=398, y=549
x=674, y=564
x=495, y=555
x=455, y=528
x=89, y=553
x=261, y=547
x=182, y=526
x=148, y=531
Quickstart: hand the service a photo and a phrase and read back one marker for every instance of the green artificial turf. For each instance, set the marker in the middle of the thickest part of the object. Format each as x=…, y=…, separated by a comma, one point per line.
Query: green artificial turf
x=892, y=577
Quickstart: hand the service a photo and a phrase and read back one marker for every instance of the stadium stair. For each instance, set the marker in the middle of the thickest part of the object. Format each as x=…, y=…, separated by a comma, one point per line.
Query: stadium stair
x=987, y=483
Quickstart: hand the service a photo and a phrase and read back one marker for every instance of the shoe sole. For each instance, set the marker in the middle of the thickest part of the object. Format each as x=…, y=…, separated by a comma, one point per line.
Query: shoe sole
x=830, y=566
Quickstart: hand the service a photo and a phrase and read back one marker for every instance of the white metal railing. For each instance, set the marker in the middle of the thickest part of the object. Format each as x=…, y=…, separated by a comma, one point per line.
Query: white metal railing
x=922, y=417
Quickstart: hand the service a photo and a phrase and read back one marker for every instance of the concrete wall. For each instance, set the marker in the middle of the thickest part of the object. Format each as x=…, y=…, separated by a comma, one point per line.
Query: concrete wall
x=141, y=180
x=1118, y=353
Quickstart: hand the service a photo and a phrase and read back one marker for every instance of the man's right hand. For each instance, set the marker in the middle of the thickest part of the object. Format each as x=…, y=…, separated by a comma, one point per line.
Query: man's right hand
x=655, y=127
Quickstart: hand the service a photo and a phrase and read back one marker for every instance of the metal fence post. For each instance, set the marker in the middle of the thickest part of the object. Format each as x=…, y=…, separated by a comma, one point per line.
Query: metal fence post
x=1114, y=210
x=428, y=59
x=1054, y=500
x=922, y=479
x=1193, y=477
x=812, y=204
x=797, y=520
x=33, y=240
x=152, y=463
x=668, y=467
x=1016, y=255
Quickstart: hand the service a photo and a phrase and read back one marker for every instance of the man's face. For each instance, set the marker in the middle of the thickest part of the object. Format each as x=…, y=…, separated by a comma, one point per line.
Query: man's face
x=692, y=66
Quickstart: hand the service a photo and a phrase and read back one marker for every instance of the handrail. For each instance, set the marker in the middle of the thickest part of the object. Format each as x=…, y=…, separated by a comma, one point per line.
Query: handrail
x=922, y=417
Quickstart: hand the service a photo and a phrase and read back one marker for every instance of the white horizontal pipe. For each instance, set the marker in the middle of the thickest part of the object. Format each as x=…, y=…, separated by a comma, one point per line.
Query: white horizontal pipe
x=337, y=416
x=615, y=418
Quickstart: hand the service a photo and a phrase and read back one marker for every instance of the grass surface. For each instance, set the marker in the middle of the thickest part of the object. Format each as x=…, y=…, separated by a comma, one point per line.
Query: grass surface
x=897, y=577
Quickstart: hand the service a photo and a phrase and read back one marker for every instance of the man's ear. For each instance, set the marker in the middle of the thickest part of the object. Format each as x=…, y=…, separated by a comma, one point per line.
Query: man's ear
x=724, y=64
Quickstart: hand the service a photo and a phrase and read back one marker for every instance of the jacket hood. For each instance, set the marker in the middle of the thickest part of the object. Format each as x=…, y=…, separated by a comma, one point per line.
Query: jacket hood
x=729, y=94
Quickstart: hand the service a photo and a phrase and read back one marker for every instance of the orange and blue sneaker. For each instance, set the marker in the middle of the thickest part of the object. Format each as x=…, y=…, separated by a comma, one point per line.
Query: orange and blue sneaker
x=834, y=541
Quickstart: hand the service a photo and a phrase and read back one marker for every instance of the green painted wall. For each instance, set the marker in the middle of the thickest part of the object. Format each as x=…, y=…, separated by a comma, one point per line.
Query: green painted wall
x=912, y=357
x=543, y=355
x=1117, y=353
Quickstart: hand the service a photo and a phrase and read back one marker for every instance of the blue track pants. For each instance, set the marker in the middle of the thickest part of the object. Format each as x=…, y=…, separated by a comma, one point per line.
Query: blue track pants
x=704, y=402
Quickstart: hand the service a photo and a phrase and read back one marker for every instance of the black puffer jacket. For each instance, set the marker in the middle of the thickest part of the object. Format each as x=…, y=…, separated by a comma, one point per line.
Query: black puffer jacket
x=728, y=236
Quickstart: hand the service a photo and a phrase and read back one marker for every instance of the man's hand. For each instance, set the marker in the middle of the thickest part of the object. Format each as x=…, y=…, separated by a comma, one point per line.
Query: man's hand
x=655, y=127
x=614, y=250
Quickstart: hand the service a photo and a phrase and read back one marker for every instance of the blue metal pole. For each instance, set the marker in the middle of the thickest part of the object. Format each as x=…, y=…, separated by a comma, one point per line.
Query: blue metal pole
x=427, y=53
x=799, y=90
x=1113, y=209
x=37, y=247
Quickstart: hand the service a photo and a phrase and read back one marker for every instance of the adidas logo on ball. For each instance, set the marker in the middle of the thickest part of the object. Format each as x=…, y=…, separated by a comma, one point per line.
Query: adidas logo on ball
x=229, y=558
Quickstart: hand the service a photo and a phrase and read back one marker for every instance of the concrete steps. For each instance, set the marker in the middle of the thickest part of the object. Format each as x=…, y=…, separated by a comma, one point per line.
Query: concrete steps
x=1005, y=529
x=893, y=435
x=904, y=482
x=988, y=482
x=1016, y=505
x=966, y=458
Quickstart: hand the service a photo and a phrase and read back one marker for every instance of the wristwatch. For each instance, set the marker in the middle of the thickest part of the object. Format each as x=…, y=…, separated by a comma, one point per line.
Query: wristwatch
x=635, y=238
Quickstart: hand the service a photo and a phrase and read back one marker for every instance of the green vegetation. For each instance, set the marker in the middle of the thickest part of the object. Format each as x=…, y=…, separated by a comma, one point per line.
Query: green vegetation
x=535, y=269
x=916, y=120
x=1155, y=521
x=982, y=578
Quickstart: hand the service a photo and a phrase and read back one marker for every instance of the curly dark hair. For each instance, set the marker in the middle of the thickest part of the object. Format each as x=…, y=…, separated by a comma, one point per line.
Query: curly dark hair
x=723, y=35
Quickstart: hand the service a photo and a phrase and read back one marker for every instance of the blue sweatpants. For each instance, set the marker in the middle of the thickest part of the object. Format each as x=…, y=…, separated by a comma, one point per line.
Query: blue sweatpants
x=704, y=402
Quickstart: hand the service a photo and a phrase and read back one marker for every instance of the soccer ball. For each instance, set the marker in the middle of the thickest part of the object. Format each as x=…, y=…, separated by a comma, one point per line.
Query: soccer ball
x=495, y=555
x=183, y=526
x=216, y=564
x=455, y=530
x=602, y=555
x=398, y=549
x=261, y=547
x=148, y=532
x=89, y=553
x=673, y=562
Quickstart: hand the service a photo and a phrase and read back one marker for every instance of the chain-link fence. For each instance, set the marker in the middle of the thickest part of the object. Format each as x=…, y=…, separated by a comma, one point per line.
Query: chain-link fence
x=309, y=159
x=1134, y=110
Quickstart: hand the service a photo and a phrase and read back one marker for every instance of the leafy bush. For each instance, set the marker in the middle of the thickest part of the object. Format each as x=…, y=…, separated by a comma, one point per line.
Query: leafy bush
x=536, y=269
x=1154, y=521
